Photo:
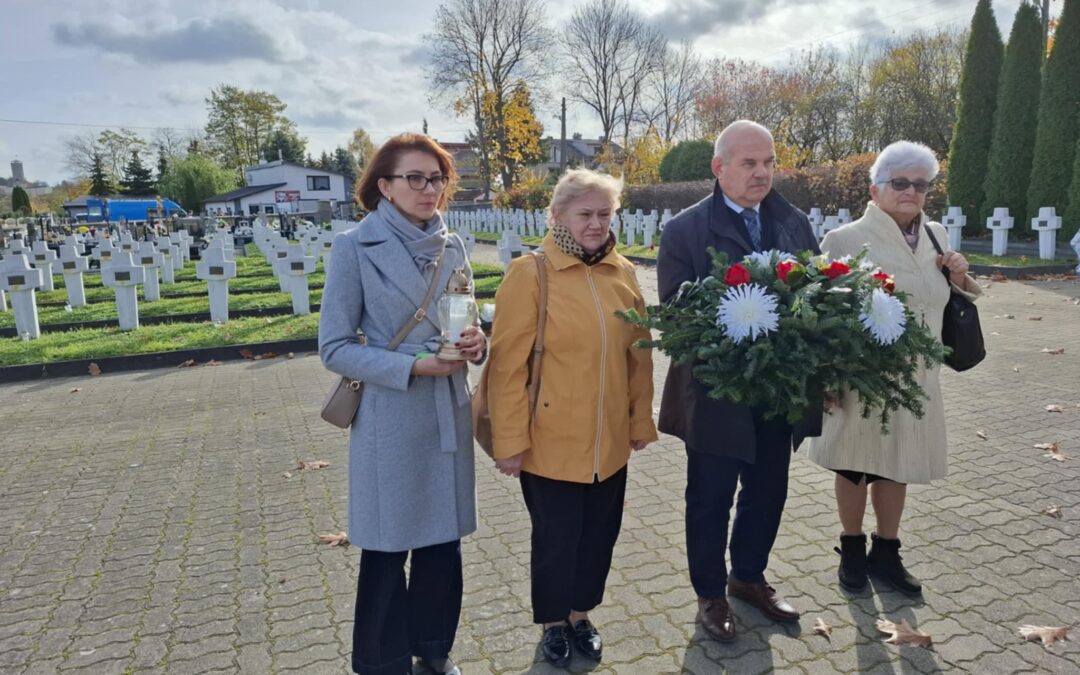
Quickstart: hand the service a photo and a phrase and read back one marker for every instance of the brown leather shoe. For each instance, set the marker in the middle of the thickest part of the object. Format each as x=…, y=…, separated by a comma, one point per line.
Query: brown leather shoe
x=764, y=597
x=714, y=615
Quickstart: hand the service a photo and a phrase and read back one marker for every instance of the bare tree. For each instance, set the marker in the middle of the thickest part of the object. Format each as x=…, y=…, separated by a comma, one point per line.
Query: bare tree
x=480, y=50
x=113, y=146
x=673, y=90
x=612, y=53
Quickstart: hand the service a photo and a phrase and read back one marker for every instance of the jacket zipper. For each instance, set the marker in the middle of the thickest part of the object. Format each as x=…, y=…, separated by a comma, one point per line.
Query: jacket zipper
x=603, y=368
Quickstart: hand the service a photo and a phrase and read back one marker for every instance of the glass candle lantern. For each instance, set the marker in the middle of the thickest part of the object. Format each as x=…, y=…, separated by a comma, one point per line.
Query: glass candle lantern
x=457, y=311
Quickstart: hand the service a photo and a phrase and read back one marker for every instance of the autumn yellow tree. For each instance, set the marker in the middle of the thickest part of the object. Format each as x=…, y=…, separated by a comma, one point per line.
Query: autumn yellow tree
x=515, y=133
x=643, y=157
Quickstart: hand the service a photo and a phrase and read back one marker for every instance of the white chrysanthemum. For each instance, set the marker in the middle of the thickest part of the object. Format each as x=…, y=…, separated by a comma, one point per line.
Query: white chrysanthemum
x=765, y=259
x=883, y=317
x=747, y=311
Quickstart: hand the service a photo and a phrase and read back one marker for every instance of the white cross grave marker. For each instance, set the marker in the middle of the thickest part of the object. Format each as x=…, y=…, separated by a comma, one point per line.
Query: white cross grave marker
x=73, y=266
x=22, y=281
x=999, y=224
x=1047, y=223
x=216, y=270
x=954, y=222
x=151, y=260
x=294, y=268
x=123, y=276
x=43, y=260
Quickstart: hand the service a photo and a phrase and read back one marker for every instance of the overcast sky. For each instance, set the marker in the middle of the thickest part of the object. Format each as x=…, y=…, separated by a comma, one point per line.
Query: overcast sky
x=338, y=64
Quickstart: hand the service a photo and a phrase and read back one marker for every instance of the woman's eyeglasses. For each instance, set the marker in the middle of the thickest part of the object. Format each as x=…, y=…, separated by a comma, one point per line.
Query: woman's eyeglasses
x=901, y=184
x=420, y=182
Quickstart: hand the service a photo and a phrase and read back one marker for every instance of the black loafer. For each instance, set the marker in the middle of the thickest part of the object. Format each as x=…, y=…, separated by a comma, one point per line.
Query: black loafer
x=556, y=645
x=587, y=640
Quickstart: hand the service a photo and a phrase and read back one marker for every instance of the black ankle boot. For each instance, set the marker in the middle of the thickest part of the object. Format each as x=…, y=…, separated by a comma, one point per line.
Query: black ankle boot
x=852, y=552
x=884, y=562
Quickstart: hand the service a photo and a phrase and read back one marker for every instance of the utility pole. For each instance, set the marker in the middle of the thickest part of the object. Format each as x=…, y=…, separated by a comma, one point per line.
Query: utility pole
x=1046, y=23
x=562, y=142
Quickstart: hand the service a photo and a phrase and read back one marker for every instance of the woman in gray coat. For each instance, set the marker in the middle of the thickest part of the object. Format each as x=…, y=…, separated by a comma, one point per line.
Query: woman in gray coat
x=411, y=485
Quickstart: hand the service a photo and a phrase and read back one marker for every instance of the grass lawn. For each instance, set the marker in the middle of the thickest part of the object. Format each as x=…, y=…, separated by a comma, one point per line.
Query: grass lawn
x=103, y=342
x=975, y=258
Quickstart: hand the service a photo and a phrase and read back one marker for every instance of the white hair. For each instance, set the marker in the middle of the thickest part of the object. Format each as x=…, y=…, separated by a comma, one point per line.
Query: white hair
x=903, y=155
x=722, y=148
x=578, y=182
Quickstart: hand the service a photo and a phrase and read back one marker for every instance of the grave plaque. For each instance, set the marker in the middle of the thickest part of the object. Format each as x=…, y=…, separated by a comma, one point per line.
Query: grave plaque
x=123, y=276
x=69, y=265
x=147, y=261
x=217, y=270
x=16, y=280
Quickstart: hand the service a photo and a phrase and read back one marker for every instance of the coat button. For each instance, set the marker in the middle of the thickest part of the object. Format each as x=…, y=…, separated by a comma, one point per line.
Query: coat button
x=546, y=404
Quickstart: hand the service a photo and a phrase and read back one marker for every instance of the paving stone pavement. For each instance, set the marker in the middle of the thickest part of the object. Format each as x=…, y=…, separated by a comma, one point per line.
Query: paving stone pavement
x=148, y=526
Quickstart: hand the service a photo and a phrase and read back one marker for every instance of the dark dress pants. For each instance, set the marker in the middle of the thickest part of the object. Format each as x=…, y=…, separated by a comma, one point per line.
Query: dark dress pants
x=574, y=529
x=710, y=491
x=395, y=619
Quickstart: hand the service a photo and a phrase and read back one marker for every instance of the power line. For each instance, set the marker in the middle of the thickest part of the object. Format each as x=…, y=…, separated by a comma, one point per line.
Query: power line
x=859, y=27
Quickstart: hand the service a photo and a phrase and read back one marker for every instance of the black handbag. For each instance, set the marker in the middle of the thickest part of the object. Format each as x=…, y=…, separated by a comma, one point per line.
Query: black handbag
x=960, y=328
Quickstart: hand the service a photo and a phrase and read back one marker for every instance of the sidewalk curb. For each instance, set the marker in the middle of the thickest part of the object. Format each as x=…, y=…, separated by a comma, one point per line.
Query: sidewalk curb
x=152, y=360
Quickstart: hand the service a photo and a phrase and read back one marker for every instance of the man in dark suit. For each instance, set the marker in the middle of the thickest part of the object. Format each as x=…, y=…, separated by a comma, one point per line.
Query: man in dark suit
x=726, y=443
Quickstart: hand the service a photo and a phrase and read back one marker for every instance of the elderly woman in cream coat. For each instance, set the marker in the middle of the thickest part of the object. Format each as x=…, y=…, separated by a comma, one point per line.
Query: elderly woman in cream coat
x=897, y=234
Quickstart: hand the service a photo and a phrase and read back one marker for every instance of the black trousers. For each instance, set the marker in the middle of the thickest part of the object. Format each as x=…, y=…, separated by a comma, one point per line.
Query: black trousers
x=396, y=620
x=710, y=491
x=574, y=529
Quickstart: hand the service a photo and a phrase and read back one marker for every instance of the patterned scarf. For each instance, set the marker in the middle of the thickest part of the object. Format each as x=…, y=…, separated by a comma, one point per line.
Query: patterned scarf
x=565, y=241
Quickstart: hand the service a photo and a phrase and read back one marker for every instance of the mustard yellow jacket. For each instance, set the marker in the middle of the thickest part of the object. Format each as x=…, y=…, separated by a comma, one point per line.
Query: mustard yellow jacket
x=596, y=388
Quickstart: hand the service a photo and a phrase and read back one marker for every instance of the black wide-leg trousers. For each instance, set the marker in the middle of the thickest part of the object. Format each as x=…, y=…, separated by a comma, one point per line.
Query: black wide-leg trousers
x=396, y=618
x=574, y=529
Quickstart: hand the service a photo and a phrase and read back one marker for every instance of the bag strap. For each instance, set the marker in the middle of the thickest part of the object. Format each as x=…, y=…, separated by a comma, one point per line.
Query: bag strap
x=933, y=240
x=421, y=311
x=541, y=323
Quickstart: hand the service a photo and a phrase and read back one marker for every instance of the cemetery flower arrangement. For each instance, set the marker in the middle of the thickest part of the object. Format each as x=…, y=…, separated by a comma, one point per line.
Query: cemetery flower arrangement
x=776, y=330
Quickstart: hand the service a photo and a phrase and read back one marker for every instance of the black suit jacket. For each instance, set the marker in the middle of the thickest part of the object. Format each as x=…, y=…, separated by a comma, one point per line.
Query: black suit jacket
x=686, y=411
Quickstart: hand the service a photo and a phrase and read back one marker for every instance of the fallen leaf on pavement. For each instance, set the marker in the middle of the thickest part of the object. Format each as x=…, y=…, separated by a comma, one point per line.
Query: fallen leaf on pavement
x=286, y=475
x=904, y=634
x=1016, y=369
x=1034, y=318
x=1053, y=510
x=1055, y=453
x=1056, y=350
x=1052, y=447
x=995, y=333
x=823, y=629
x=998, y=276
x=313, y=465
x=339, y=539
x=981, y=434
x=246, y=353
x=94, y=370
x=1045, y=634
x=75, y=390
x=1054, y=408
x=212, y=362
x=188, y=364
x=266, y=355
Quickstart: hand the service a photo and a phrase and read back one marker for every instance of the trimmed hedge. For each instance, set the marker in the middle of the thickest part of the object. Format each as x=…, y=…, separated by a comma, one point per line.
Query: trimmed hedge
x=687, y=161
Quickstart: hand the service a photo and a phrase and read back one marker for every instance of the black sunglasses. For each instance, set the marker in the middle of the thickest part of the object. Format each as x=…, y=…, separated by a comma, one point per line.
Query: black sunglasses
x=902, y=184
x=420, y=182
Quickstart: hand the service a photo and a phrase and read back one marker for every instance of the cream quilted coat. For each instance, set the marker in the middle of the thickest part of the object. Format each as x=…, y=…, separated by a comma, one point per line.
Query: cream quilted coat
x=914, y=450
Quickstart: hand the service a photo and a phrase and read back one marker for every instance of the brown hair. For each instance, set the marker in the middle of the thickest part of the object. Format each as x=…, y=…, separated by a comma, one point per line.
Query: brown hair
x=384, y=163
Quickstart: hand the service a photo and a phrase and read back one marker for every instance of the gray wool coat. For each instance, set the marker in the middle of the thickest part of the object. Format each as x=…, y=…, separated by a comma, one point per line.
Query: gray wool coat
x=411, y=474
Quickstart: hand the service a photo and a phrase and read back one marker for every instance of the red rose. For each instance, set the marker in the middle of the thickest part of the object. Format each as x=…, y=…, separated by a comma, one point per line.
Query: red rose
x=737, y=275
x=836, y=269
x=785, y=268
x=887, y=282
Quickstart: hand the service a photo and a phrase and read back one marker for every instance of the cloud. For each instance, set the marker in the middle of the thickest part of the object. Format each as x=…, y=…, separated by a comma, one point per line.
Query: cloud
x=217, y=39
x=688, y=19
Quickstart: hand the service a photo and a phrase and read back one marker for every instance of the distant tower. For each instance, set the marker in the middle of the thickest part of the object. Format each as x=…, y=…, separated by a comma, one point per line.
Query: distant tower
x=17, y=171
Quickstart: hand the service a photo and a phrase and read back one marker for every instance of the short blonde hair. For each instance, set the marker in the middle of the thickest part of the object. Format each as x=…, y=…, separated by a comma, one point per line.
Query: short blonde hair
x=577, y=182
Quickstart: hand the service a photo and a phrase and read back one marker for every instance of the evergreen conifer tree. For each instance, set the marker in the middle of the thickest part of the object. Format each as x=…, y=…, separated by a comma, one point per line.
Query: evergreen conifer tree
x=1059, y=117
x=100, y=184
x=970, y=150
x=138, y=178
x=20, y=201
x=1013, y=144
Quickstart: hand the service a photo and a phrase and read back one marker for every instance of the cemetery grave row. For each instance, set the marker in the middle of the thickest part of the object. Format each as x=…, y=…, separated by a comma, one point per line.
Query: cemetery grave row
x=104, y=308
x=638, y=232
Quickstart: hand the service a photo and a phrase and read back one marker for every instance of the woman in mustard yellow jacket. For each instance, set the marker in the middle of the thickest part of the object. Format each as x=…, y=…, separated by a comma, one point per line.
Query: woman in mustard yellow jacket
x=594, y=405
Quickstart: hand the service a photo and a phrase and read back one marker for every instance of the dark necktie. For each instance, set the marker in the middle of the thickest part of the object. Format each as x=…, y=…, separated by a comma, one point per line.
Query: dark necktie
x=753, y=226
